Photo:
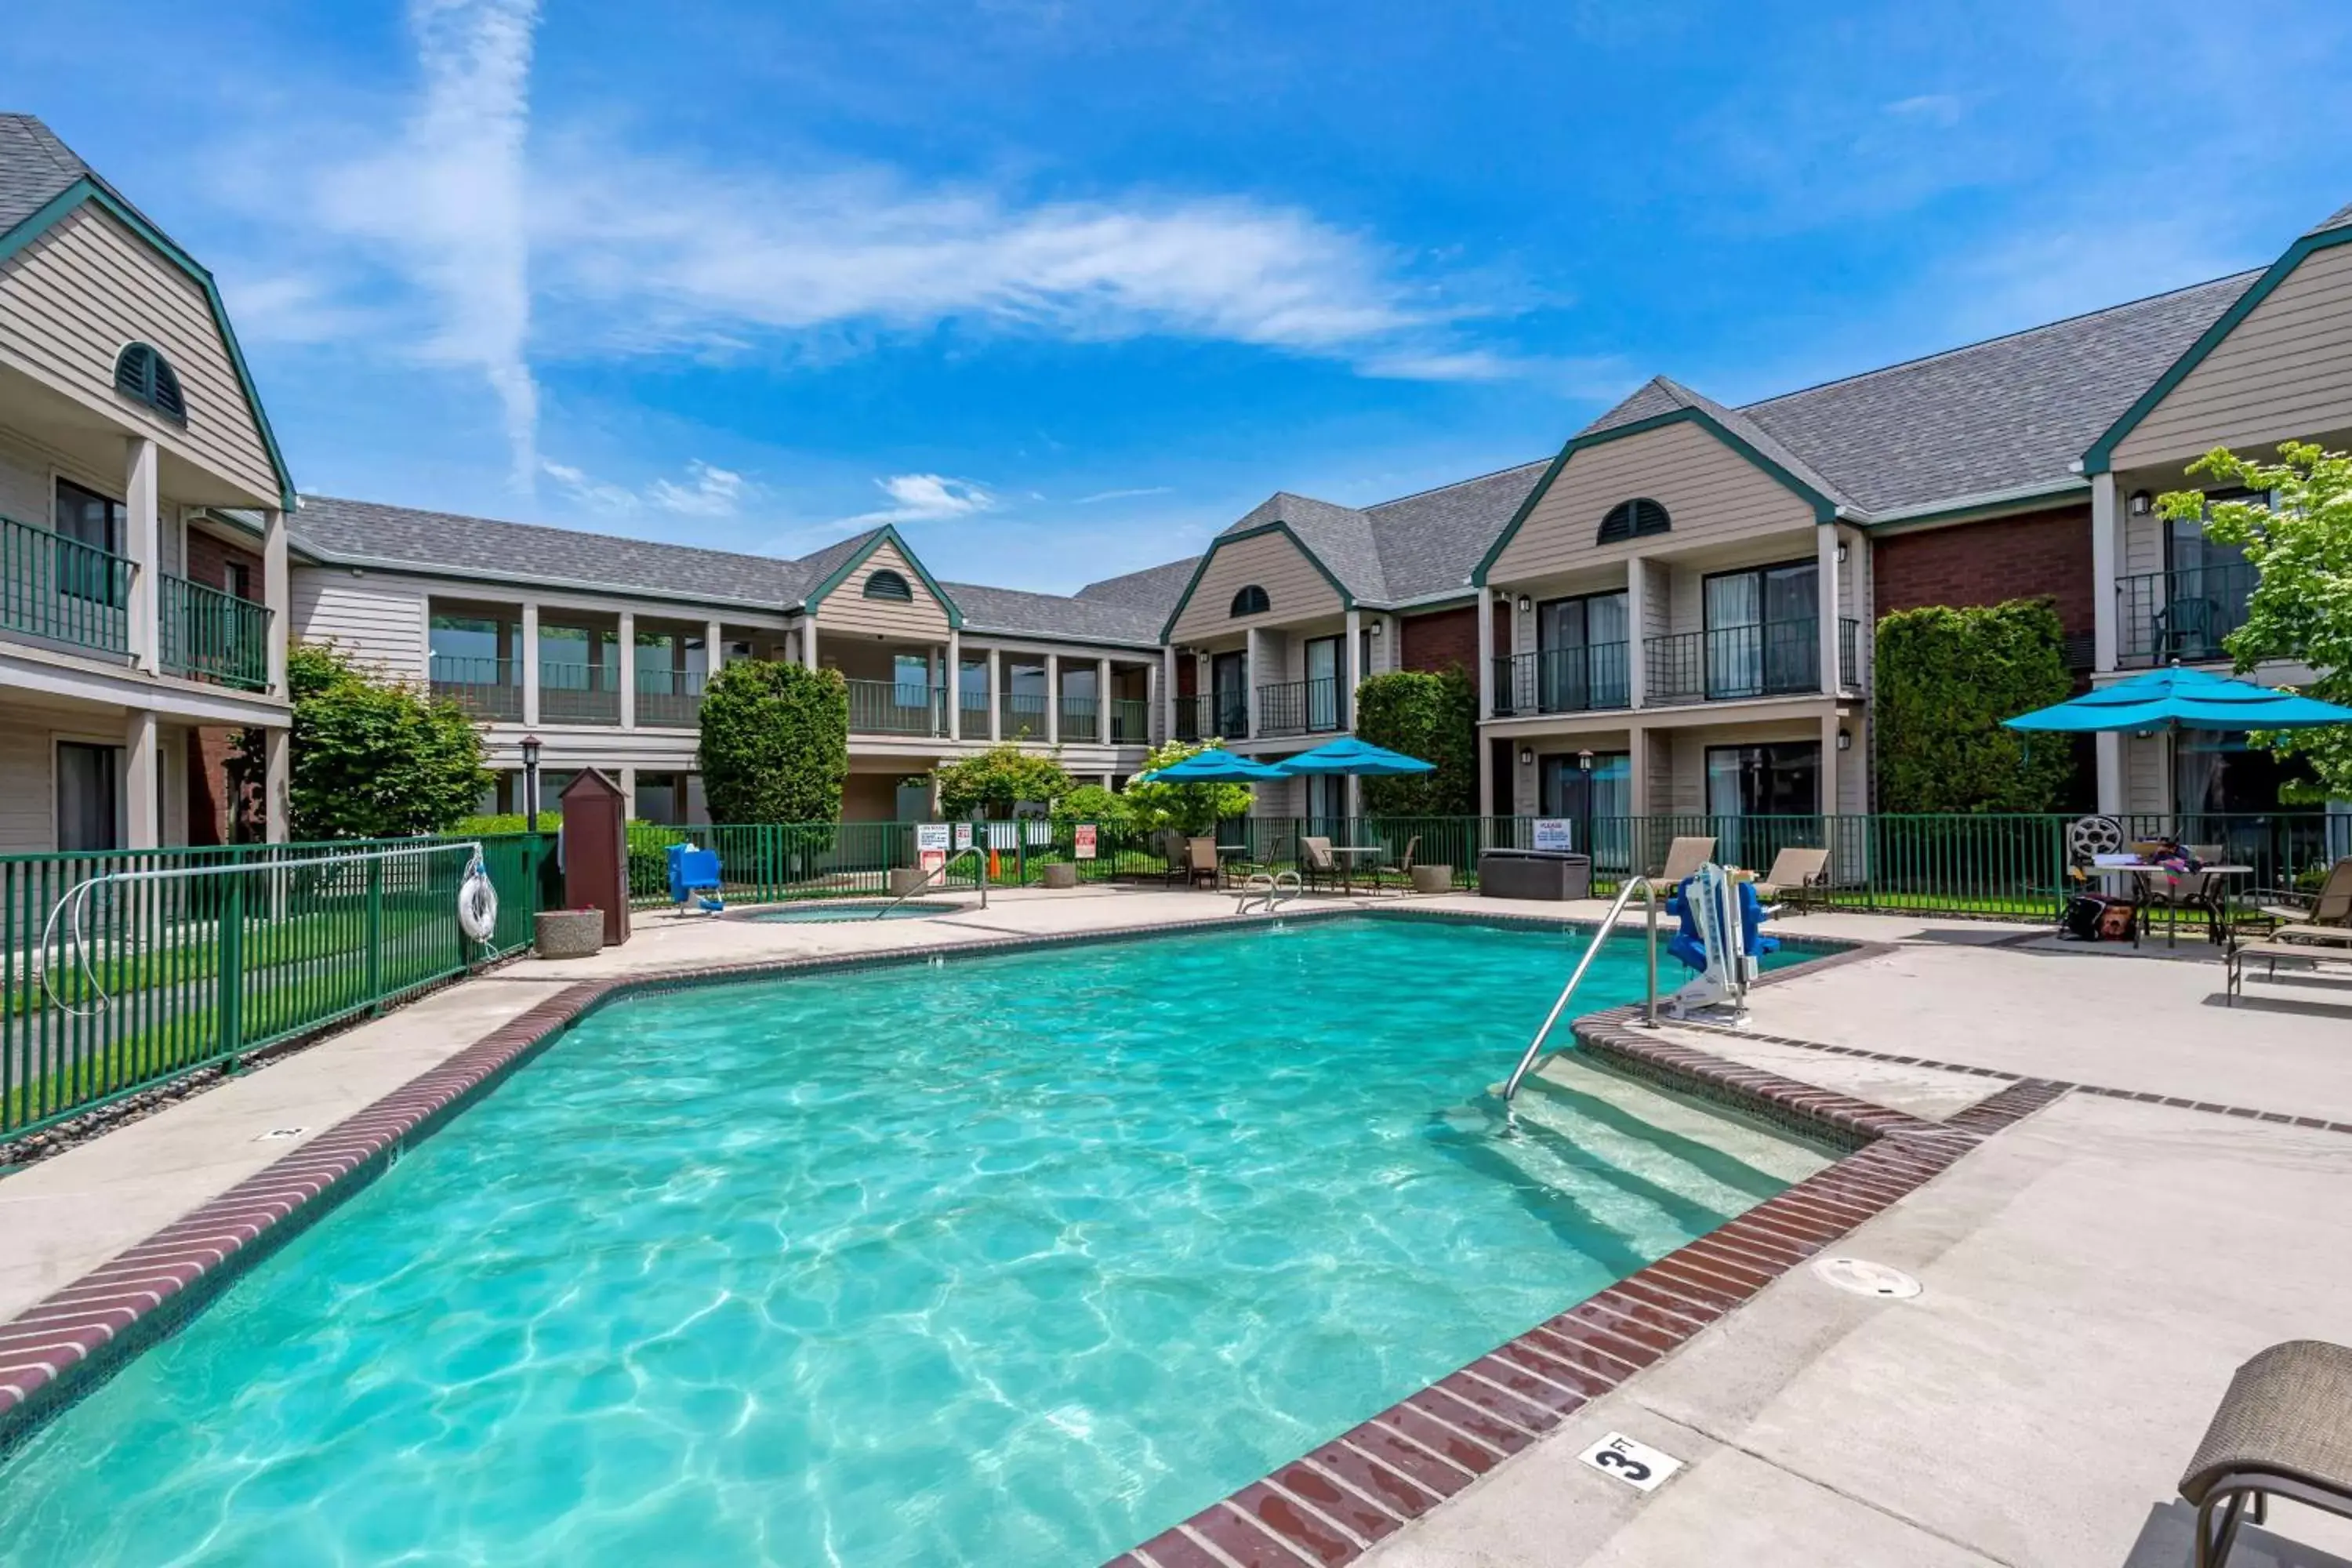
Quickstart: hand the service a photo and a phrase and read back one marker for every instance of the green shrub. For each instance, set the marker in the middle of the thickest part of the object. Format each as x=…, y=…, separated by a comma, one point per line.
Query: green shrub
x=1092, y=802
x=993, y=780
x=1433, y=717
x=649, y=843
x=776, y=743
x=371, y=757
x=1190, y=808
x=1946, y=678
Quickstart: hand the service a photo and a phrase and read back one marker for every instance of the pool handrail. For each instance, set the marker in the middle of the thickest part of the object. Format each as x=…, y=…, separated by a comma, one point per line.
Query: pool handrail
x=930, y=877
x=1608, y=924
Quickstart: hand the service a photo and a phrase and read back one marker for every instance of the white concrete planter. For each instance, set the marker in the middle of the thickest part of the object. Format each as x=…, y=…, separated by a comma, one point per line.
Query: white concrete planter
x=1060, y=874
x=905, y=879
x=1433, y=879
x=569, y=933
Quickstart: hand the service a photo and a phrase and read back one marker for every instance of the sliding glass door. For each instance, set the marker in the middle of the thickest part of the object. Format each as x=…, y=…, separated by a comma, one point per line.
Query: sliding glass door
x=1762, y=636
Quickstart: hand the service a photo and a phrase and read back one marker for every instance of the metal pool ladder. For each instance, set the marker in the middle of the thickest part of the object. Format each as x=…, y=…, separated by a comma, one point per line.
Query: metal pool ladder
x=1633, y=885
x=932, y=878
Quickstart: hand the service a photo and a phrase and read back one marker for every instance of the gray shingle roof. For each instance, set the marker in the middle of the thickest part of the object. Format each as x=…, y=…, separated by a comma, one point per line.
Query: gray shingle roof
x=1155, y=588
x=364, y=532
x=34, y=167
x=2007, y=415
x=2341, y=218
x=1340, y=536
x=1430, y=541
x=1013, y=611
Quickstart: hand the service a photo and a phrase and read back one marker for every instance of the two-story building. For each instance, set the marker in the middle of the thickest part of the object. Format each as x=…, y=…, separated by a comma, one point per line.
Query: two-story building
x=142, y=541
x=599, y=645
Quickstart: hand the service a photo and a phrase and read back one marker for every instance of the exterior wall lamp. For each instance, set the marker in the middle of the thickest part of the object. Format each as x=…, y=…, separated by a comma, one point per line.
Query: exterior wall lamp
x=1527, y=756
x=531, y=783
x=1526, y=604
x=1845, y=740
x=2141, y=503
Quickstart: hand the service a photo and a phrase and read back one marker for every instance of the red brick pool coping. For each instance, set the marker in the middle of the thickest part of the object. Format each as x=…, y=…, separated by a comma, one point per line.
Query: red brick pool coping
x=1326, y=1507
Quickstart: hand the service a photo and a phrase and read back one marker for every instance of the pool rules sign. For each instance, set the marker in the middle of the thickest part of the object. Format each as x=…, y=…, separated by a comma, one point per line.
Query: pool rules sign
x=931, y=847
x=1082, y=841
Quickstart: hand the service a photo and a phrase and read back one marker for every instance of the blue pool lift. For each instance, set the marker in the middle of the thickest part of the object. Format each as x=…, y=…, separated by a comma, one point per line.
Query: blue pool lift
x=694, y=870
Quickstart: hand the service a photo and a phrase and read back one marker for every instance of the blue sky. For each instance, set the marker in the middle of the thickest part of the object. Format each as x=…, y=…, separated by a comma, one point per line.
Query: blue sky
x=1062, y=289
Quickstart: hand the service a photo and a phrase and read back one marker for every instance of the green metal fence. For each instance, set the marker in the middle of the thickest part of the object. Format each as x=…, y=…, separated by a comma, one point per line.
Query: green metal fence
x=239, y=948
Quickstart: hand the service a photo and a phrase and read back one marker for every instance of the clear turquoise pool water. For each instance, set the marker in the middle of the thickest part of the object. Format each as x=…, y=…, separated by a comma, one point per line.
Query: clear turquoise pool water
x=1010, y=1259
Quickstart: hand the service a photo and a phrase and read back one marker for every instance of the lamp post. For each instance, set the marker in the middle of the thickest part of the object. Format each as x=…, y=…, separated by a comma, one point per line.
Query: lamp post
x=531, y=783
x=1584, y=770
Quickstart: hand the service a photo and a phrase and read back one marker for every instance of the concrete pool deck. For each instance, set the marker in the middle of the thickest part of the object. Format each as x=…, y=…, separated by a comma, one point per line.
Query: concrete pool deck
x=2092, y=1274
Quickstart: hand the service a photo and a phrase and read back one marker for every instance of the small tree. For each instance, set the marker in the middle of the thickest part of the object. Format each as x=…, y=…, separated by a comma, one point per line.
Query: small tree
x=1946, y=679
x=994, y=781
x=371, y=757
x=1190, y=808
x=776, y=743
x=2300, y=609
x=1433, y=717
x=1092, y=802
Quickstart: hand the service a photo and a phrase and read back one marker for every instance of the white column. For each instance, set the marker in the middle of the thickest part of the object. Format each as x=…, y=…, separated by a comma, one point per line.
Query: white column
x=276, y=781
x=955, y=685
x=144, y=546
x=1052, y=700
x=2106, y=557
x=277, y=594
x=1351, y=670
x=714, y=647
x=143, y=793
x=1167, y=693
x=1825, y=613
x=996, y=696
x=1830, y=761
x=1102, y=700
x=628, y=679
x=1485, y=801
x=1486, y=664
x=1249, y=681
x=1637, y=783
x=629, y=783
x=808, y=640
x=529, y=654
x=1637, y=594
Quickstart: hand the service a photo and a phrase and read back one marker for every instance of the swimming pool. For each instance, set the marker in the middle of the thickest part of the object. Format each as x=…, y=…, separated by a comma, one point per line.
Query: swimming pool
x=1009, y=1258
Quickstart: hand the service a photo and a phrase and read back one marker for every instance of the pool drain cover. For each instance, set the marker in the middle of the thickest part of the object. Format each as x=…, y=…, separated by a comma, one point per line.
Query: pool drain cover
x=1863, y=1278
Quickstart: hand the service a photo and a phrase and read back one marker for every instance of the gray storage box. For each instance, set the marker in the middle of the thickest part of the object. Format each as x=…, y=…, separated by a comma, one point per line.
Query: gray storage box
x=1546, y=874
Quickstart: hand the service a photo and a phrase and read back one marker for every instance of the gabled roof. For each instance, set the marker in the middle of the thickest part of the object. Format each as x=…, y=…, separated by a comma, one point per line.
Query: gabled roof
x=1012, y=612
x=1155, y=588
x=1339, y=537
x=831, y=566
x=42, y=181
x=1430, y=541
x=2340, y=218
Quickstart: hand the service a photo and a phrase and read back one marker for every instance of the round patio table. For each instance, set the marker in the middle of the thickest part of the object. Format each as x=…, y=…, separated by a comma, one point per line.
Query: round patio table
x=1349, y=854
x=2144, y=875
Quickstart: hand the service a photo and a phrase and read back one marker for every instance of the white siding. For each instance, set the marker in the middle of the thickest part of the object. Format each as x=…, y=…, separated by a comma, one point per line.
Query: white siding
x=28, y=822
x=1296, y=589
x=379, y=619
x=2285, y=371
x=73, y=297
x=847, y=609
x=2147, y=782
x=1712, y=493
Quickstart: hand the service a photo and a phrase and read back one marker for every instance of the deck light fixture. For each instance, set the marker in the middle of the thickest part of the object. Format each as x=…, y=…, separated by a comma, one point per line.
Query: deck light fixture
x=531, y=783
x=1527, y=756
x=1526, y=604
x=1846, y=741
x=2142, y=503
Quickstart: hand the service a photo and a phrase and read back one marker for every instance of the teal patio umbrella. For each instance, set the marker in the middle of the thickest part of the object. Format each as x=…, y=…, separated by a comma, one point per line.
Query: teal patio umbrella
x=1353, y=758
x=1215, y=765
x=2178, y=699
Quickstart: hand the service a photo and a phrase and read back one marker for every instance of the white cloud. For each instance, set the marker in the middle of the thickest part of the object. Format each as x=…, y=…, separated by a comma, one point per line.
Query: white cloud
x=925, y=498
x=1933, y=108
x=1123, y=495
x=706, y=491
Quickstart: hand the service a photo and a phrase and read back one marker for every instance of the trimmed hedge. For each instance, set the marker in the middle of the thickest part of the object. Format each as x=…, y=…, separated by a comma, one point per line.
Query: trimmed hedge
x=1433, y=717
x=1946, y=679
x=776, y=743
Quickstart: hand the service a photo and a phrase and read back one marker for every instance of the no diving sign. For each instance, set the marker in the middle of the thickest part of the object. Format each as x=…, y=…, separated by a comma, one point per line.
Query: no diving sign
x=1638, y=1465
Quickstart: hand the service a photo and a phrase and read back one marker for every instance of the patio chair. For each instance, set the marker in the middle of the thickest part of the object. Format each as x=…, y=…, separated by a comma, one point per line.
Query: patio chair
x=1798, y=876
x=1201, y=861
x=1315, y=861
x=2330, y=906
x=1402, y=867
x=2280, y=1431
x=2201, y=891
x=1683, y=856
x=1177, y=856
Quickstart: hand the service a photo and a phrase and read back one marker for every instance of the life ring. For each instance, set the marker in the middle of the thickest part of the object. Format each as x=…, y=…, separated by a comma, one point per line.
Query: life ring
x=478, y=904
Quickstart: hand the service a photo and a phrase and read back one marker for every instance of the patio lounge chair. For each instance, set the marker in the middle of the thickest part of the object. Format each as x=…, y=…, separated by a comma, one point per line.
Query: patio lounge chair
x=1402, y=870
x=1201, y=861
x=1797, y=876
x=2293, y=944
x=1179, y=859
x=2331, y=906
x=1315, y=861
x=2280, y=1431
x=1684, y=855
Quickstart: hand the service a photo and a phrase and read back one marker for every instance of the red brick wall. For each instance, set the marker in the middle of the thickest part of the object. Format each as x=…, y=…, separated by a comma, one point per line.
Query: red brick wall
x=1433, y=641
x=211, y=805
x=208, y=560
x=2043, y=552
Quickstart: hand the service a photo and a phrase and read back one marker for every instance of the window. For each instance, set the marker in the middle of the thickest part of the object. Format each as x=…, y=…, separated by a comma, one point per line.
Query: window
x=237, y=578
x=1632, y=520
x=89, y=519
x=1251, y=601
x=1778, y=780
x=141, y=375
x=888, y=585
x=1322, y=683
x=1581, y=653
x=1761, y=638
x=89, y=796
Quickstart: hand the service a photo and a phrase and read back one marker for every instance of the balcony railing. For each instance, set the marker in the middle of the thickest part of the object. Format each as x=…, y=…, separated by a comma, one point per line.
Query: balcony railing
x=63, y=591
x=1022, y=718
x=973, y=719
x=1775, y=658
x=1223, y=715
x=898, y=708
x=1301, y=708
x=579, y=693
x=485, y=688
x=1562, y=680
x=207, y=634
x=1849, y=654
x=1130, y=721
x=2165, y=615
x=1078, y=718
x=669, y=698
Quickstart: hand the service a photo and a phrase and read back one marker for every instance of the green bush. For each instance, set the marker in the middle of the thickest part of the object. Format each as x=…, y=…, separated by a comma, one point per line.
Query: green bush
x=1092, y=802
x=371, y=757
x=649, y=843
x=1946, y=679
x=991, y=782
x=776, y=743
x=1190, y=808
x=1433, y=717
